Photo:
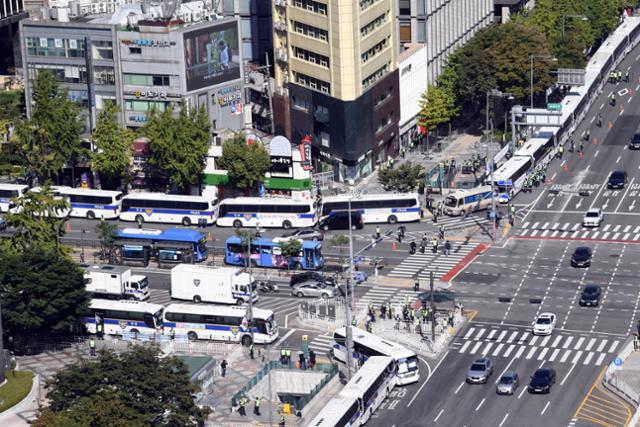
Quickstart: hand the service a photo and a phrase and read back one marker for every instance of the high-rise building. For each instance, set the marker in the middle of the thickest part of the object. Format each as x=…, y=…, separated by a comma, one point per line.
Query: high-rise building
x=336, y=81
x=443, y=25
x=11, y=11
x=255, y=26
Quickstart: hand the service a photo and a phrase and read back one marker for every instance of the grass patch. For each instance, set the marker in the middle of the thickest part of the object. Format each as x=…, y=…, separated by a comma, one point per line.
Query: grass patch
x=15, y=389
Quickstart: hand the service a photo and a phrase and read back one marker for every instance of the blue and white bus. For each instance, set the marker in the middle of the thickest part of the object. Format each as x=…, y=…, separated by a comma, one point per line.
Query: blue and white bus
x=220, y=322
x=277, y=212
x=169, y=209
x=91, y=204
x=266, y=253
x=137, y=246
x=118, y=317
x=390, y=208
x=9, y=192
x=341, y=411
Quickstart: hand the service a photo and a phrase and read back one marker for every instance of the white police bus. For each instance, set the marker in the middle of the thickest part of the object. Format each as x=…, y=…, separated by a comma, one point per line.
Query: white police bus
x=9, y=192
x=91, y=204
x=390, y=208
x=341, y=411
x=366, y=345
x=277, y=212
x=119, y=317
x=220, y=322
x=169, y=209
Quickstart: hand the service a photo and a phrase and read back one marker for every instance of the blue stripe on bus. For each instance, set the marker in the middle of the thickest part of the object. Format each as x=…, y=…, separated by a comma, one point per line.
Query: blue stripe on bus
x=253, y=215
x=5, y=200
x=170, y=211
x=91, y=206
x=405, y=209
x=210, y=327
x=116, y=322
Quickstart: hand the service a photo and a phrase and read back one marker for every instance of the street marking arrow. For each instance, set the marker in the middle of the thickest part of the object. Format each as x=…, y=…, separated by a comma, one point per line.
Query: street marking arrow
x=606, y=203
x=579, y=204
x=550, y=203
x=632, y=205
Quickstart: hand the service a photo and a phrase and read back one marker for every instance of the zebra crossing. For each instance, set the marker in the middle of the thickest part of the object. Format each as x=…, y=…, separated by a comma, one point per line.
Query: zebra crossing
x=521, y=344
x=576, y=231
x=321, y=344
x=419, y=264
x=450, y=223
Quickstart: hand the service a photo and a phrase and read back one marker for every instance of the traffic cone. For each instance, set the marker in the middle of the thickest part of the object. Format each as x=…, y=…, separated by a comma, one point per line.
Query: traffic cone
x=209, y=237
x=394, y=246
x=609, y=125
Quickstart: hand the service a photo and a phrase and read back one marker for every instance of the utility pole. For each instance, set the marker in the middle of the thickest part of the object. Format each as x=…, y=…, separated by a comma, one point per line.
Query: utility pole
x=249, y=312
x=348, y=338
x=433, y=310
x=269, y=94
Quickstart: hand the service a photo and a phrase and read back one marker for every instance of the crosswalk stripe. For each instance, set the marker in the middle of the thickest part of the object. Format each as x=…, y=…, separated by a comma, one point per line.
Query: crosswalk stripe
x=575, y=227
x=579, y=343
x=476, y=347
x=626, y=236
x=524, y=336
x=614, y=346
x=502, y=335
x=595, y=235
x=465, y=346
x=555, y=233
x=615, y=236
x=566, y=225
x=565, y=356
x=533, y=350
x=637, y=229
x=533, y=340
x=626, y=229
x=534, y=233
x=509, y=350
x=496, y=351
x=636, y=237
x=525, y=225
x=592, y=341
x=520, y=351
x=542, y=353
x=546, y=225
x=585, y=234
x=617, y=227
x=600, y=359
x=491, y=334
x=606, y=227
x=554, y=355
x=485, y=351
x=512, y=336
x=565, y=234
x=536, y=225
x=567, y=342
x=602, y=344
x=556, y=341
x=480, y=333
x=556, y=225
x=588, y=358
x=577, y=357
x=544, y=233
x=469, y=333
x=545, y=341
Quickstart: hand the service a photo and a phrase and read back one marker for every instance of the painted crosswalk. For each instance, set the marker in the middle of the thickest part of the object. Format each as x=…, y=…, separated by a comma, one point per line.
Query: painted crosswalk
x=569, y=230
x=449, y=223
x=562, y=348
x=420, y=264
x=379, y=295
x=321, y=343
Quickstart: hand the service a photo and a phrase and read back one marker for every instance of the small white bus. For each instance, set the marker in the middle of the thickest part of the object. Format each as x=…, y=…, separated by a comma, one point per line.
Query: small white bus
x=9, y=192
x=341, y=411
x=91, y=204
x=169, y=209
x=55, y=192
x=461, y=202
x=220, y=322
x=118, y=317
x=366, y=345
x=390, y=208
x=277, y=212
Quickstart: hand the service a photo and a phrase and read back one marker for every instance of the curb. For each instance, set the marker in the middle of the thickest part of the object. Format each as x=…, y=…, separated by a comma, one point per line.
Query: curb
x=29, y=398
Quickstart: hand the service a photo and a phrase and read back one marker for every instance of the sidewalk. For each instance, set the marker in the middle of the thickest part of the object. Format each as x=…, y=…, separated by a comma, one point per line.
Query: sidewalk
x=625, y=379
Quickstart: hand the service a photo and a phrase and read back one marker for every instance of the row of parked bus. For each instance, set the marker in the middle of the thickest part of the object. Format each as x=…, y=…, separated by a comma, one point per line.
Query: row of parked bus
x=233, y=212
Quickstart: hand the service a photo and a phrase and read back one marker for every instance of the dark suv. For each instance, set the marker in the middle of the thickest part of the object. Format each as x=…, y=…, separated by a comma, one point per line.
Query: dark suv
x=581, y=257
x=617, y=179
x=590, y=295
x=542, y=380
x=634, y=144
x=339, y=220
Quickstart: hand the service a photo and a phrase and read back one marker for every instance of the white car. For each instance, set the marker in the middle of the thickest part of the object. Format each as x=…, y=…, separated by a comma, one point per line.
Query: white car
x=544, y=324
x=592, y=218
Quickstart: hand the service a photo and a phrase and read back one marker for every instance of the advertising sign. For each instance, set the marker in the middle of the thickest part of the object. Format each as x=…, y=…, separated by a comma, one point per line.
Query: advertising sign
x=305, y=153
x=212, y=55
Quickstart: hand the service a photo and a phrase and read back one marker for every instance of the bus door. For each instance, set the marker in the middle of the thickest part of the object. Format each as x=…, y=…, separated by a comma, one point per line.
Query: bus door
x=265, y=253
x=134, y=255
x=171, y=253
x=309, y=260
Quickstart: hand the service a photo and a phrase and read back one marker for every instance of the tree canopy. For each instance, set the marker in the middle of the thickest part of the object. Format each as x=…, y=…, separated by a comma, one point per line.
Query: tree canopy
x=43, y=293
x=135, y=388
x=245, y=164
x=178, y=145
x=403, y=179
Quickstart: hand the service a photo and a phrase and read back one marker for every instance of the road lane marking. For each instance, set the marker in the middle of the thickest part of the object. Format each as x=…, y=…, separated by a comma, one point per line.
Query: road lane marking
x=503, y=420
x=618, y=159
x=568, y=373
x=428, y=378
x=530, y=354
x=554, y=355
x=588, y=358
x=504, y=370
x=565, y=356
x=464, y=347
x=439, y=413
x=600, y=359
x=579, y=343
x=545, y=408
x=542, y=364
x=481, y=402
x=459, y=387
x=624, y=195
x=522, y=392
x=604, y=184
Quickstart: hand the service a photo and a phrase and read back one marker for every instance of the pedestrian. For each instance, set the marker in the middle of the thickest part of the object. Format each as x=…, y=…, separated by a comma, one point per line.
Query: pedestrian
x=560, y=150
x=283, y=356
x=251, y=351
x=92, y=347
x=416, y=285
x=389, y=310
x=172, y=334
x=383, y=311
x=288, y=357
x=447, y=248
x=636, y=342
x=377, y=232
x=312, y=358
x=301, y=359
x=223, y=368
x=241, y=409
x=281, y=423
x=434, y=245
x=256, y=407
x=442, y=232
x=451, y=318
x=417, y=325
x=367, y=326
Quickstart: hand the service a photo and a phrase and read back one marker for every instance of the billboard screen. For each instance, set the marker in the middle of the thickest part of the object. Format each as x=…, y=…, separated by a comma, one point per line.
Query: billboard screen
x=212, y=55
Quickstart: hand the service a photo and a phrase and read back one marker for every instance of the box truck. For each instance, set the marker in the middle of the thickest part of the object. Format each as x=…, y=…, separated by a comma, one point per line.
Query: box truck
x=116, y=282
x=221, y=285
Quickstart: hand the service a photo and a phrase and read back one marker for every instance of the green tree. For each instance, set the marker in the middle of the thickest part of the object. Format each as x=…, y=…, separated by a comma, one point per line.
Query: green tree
x=438, y=106
x=30, y=149
x=106, y=232
x=149, y=388
x=290, y=249
x=178, y=145
x=65, y=130
x=339, y=241
x=35, y=223
x=11, y=105
x=114, y=145
x=43, y=293
x=405, y=178
x=245, y=164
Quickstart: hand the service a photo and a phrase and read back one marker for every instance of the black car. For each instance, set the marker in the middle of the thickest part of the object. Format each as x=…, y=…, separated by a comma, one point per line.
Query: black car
x=634, y=144
x=617, y=179
x=542, y=380
x=312, y=275
x=581, y=257
x=339, y=220
x=590, y=295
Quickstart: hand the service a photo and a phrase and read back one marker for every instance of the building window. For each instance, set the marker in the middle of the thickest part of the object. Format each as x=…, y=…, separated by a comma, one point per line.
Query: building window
x=365, y=4
x=104, y=75
x=135, y=50
x=144, y=106
x=380, y=20
x=312, y=82
x=384, y=122
x=405, y=32
x=146, y=80
x=309, y=30
x=300, y=104
x=309, y=56
x=374, y=50
x=383, y=97
x=375, y=76
x=54, y=47
x=102, y=49
x=311, y=6
x=61, y=73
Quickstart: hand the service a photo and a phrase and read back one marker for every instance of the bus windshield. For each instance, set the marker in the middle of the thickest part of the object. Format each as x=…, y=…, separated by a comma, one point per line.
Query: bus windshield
x=451, y=202
x=409, y=364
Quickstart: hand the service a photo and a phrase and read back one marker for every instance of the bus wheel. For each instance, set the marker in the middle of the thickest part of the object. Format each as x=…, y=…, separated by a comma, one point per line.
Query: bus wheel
x=297, y=266
x=254, y=263
x=186, y=221
x=192, y=336
x=246, y=340
x=286, y=224
x=463, y=212
x=139, y=219
x=239, y=301
x=237, y=224
x=392, y=219
x=91, y=215
x=197, y=299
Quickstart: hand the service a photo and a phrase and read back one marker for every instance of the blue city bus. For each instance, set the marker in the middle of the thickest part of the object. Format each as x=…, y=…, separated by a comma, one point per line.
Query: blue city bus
x=266, y=253
x=137, y=246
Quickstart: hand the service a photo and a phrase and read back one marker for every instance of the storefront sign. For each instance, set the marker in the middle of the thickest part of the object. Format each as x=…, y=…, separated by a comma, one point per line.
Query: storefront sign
x=237, y=108
x=280, y=147
x=150, y=94
x=229, y=96
x=305, y=153
x=148, y=43
x=281, y=164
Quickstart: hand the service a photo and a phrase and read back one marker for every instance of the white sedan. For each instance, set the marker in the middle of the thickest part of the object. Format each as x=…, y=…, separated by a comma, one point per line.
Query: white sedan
x=592, y=218
x=544, y=324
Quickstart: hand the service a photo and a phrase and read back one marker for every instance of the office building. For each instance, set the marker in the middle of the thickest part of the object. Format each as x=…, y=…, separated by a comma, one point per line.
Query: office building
x=337, y=82
x=11, y=12
x=256, y=35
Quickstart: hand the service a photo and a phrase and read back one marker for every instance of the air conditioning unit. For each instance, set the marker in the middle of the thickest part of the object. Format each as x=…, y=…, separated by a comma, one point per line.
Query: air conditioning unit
x=281, y=3
x=280, y=26
x=281, y=55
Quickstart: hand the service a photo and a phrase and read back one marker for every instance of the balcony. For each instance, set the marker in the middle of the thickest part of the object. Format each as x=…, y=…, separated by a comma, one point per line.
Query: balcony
x=281, y=3
x=281, y=55
x=280, y=26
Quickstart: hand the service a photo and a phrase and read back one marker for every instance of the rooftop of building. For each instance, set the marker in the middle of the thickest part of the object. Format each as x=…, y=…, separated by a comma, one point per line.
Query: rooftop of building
x=410, y=49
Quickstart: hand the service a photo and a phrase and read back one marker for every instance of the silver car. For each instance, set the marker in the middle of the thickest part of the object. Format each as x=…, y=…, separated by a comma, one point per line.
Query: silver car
x=302, y=234
x=480, y=371
x=313, y=289
x=508, y=383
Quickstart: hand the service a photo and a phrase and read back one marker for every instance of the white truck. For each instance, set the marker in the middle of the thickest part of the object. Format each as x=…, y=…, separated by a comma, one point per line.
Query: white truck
x=221, y=285
x=116, y=281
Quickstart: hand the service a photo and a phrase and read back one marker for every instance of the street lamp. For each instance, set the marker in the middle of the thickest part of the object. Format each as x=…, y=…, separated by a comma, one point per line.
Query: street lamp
x=569, y=15
x=532, y=57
